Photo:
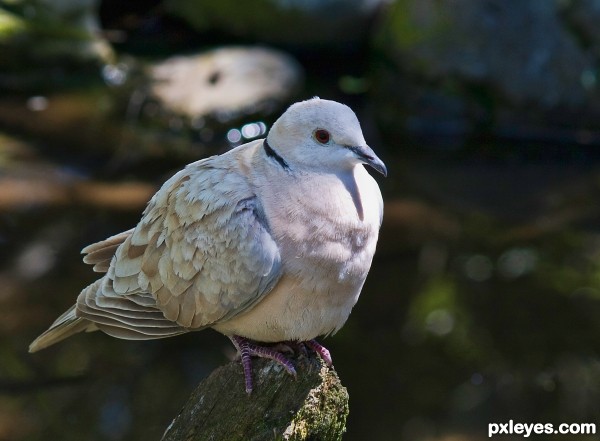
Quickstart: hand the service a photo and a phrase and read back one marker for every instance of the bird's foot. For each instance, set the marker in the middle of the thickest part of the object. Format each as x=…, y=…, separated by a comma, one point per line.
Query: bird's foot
x=248, y=348
x=321, y=350
x=301, y=347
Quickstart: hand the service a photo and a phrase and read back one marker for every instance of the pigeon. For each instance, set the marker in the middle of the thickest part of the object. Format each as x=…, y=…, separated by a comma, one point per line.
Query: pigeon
x=267, y=243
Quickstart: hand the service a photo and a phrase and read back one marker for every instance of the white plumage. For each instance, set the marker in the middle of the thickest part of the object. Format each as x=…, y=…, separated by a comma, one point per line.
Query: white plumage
x=271, y=241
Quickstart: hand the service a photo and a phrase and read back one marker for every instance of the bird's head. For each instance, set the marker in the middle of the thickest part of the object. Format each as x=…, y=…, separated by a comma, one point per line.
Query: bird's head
x=322, y=135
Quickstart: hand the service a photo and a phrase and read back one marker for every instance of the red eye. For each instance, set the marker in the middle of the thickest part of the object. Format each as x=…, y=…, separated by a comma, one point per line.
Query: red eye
x=322, y=136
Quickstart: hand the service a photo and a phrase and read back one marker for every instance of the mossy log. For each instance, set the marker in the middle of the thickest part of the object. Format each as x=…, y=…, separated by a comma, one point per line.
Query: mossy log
x=313, y=406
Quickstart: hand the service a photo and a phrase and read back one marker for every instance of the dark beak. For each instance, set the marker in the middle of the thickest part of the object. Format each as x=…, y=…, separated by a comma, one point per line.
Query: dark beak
x=368, y=156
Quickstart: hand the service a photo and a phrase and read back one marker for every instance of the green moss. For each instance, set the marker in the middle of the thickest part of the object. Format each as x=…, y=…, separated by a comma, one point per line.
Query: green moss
x=323, y=414
x=312, y=407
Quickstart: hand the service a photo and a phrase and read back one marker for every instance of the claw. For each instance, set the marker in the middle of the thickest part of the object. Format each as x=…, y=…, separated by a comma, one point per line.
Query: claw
x=321, y=350
x=247, y=349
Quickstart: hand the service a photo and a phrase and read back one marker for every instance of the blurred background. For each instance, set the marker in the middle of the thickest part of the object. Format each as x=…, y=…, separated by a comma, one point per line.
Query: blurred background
x=483, y=302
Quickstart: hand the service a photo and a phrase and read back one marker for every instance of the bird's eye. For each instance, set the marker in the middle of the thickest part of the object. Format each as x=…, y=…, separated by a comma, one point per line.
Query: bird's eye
x=322, y=136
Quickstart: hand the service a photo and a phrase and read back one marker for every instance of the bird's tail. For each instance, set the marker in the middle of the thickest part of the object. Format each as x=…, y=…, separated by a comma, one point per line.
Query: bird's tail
x=64, y=326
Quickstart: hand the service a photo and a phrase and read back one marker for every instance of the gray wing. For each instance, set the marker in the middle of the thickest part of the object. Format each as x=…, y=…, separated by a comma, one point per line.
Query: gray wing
x=202, y=253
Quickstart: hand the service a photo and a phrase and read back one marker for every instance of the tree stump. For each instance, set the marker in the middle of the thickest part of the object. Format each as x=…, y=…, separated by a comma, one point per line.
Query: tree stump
x=312, y=407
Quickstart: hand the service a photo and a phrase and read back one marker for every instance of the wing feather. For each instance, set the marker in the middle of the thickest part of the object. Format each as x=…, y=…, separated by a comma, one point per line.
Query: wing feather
x=147, y=321
x=101, y=253
x=202, y=253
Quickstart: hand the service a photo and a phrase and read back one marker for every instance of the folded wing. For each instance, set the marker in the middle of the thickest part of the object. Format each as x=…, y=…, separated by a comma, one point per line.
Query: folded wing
x=202, y=253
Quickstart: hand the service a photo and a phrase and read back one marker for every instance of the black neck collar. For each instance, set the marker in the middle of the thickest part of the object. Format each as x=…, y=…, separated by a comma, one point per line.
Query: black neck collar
x=273, y=154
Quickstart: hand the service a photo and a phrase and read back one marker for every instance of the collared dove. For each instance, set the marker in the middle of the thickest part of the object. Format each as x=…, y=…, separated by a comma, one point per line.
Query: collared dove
x=269, y=242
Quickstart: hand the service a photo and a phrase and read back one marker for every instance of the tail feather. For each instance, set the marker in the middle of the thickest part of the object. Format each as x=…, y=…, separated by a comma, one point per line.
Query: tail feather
x=64, y=326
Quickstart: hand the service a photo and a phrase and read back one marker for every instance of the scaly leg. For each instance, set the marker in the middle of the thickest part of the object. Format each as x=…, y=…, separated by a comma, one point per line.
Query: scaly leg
x=248, y=348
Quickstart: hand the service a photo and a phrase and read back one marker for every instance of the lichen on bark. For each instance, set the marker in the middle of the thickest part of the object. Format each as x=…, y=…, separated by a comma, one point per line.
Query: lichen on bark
x=313, y=406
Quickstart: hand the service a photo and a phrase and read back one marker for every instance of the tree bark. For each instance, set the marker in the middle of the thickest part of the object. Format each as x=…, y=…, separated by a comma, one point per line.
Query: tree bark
x=312, y=407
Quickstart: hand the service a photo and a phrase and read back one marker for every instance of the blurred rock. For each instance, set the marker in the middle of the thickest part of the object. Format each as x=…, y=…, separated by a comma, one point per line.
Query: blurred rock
x=27, y=182
x=492, y=62
x=21, y=192
x=225, y=84
x=100, y=121
x=36, y=35
x=303, y=23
